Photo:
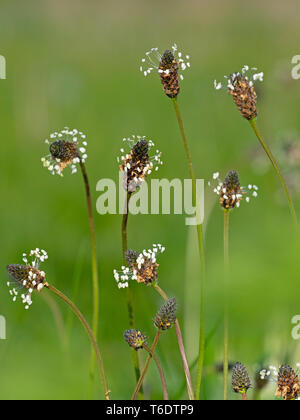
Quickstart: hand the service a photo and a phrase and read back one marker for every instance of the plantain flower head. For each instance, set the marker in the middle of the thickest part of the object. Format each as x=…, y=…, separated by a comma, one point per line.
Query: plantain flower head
x=67, y=149
x=169, y=66
x=135, y=339
x=288, y=386
x=27, y=277
x=142, y=267
x=166, y=316
x=240, y=86
x=230, y=191
x=137, y=163
x=240, y=379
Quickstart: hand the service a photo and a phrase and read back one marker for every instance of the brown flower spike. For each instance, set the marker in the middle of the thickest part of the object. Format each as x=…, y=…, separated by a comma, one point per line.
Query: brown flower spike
x=67, y=148
x=142, y=267
x=135, y=339
x=244, y=96
x=168, y=71
x=231, y=192
x=166, y=316
x=240, y=379
x=27, y=278
x=138, y=164
x=288, y=386
x=240, y=86
x=169, y=66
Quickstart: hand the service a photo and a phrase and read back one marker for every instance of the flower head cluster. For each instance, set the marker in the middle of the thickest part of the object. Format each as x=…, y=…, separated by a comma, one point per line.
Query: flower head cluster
x=142, y=267
x=25, y=278
x=230, y=190
x=137, y=164
x=240, y=86
x=135, y=339
x=166, y=316
x=288, y=386
x=67, y=148
x=169, y=66
x=240, y=379
x=287, y=380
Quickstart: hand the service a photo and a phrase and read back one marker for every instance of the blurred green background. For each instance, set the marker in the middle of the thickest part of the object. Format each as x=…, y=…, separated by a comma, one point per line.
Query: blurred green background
x=76, y=63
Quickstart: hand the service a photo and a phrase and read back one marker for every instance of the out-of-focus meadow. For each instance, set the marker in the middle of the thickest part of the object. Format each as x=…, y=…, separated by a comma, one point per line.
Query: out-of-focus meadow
x=76, y=63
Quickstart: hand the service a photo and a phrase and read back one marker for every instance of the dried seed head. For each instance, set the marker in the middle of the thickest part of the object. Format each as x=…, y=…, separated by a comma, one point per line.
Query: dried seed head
x=169, y=66
x=240, y=379
x=240, y=86
x=137, y=164
x=142, y=267
x=27, y=278
x=231, y=192
x=135, y=339
x=166, y=316
x=67, y=148
x=168, y=71
x=288, y=386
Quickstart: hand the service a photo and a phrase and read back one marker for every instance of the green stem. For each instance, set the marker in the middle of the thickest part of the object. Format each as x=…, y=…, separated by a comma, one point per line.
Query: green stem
x=181, y=348
x=94, y=272
x=135, y=357
x=89, y=332
x=201, y=251
x=58, y=318
x=142, y=377
x=226, y=321
x=277, y=169
x=160, y=371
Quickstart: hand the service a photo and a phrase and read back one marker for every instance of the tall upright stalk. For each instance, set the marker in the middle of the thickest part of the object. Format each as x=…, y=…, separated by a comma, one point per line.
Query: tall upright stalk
x=277, y=169
x=94, y=272
x=181, y=348
x=130, y=308
x=226, y=316
x=201, y=251
x=143, y=374
x=89, y=332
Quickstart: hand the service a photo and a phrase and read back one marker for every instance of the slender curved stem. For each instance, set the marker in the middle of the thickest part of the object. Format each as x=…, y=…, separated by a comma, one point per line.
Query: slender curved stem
x=90, y=334
x=160, y=371
x=226, y=321
x=181, y=348
x=135, y=357
x=202, y=255
x=244, y=397
x=277, y=169
x=58, y=318
x=94, y=272
x=143, y=374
